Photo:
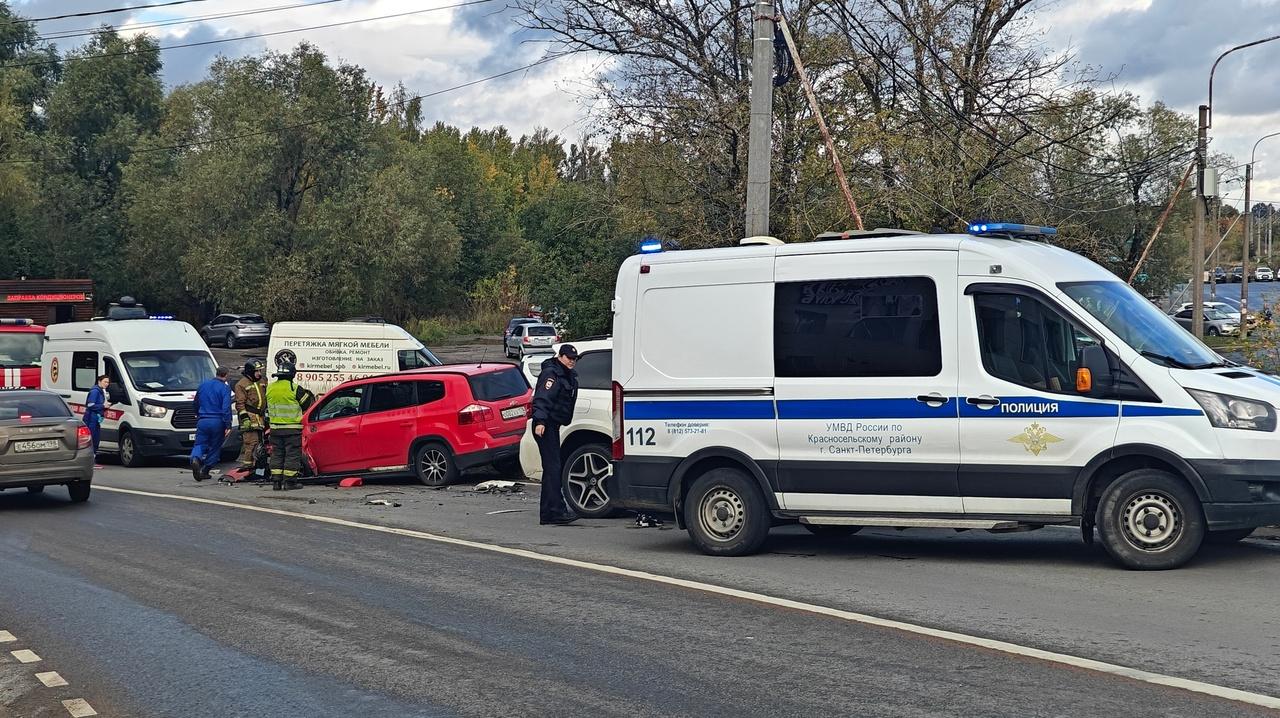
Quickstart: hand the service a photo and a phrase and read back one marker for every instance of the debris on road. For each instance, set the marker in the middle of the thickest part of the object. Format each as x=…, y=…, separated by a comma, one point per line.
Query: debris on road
x=647, y=521
x=382, y=502
x=350, y=482
x=504, y=511
x=499, y=487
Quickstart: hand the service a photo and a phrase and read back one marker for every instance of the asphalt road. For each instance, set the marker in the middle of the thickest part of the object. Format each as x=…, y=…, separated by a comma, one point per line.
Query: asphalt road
x=160, y=607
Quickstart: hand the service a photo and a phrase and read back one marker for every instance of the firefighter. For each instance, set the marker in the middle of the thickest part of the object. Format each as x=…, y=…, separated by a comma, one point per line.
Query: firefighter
x=251, y=408
x=286, y=403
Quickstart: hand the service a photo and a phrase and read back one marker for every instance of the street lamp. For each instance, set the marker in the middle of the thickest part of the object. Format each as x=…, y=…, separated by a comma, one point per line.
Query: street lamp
x=1248, y=230
x=1197, y=244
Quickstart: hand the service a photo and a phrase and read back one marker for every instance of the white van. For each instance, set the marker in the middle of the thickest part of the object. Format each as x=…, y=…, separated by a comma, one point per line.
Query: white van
x=892, y=378
x=329, y=353
x=155, y=367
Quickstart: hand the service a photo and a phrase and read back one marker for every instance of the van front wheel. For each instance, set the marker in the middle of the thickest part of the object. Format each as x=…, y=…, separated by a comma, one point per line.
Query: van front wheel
x=129, y=456
x=726, y=513
x=1150, y=520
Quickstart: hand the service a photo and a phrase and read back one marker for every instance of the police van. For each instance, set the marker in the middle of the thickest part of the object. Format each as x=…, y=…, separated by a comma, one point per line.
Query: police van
x=898, y=379
x=154, y=366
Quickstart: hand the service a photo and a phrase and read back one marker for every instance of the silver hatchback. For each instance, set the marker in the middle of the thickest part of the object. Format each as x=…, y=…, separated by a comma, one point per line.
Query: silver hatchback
x=531, y=339
x=43, y=443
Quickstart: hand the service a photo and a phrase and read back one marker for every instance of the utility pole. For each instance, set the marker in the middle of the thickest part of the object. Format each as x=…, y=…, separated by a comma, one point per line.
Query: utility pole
x=1196, y=286
x=760, y=134
x=1246, y=245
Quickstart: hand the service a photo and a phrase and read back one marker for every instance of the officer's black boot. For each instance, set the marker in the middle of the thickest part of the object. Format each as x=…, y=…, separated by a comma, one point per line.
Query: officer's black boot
x=276, y=484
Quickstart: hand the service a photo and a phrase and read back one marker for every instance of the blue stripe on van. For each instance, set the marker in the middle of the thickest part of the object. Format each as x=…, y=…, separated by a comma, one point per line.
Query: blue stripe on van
x=1023, y=407
x=864, y=409
x=732, y=409
x=1143, y=410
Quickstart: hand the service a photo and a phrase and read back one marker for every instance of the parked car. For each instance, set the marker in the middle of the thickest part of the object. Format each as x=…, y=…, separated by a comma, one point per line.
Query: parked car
x=1237, y=274
x=531, y=339
x=1223, y=308
x=43, y=443
x=234, y=330
x=1263, y=274
x=584, y=443
x=1219, y=274
x=1216, y=322
x=432, y=423
x=517, y=321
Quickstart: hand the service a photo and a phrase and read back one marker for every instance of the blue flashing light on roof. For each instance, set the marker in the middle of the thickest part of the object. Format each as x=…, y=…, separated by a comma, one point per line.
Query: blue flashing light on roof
x=981, y=229
x=163, y=317
x=650, y=246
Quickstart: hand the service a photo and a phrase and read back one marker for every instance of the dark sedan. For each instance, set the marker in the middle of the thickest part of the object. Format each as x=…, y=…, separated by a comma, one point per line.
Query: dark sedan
x=42, y=443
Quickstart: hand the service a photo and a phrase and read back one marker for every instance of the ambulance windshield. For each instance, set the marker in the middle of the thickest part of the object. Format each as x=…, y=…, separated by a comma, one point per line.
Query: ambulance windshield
x=1140, y=324
x=168, y=370
x=19, y=349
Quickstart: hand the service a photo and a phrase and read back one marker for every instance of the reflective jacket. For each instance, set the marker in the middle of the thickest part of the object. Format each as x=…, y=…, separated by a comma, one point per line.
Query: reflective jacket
x=555, y=394
x=251, y=403
x=286, y=403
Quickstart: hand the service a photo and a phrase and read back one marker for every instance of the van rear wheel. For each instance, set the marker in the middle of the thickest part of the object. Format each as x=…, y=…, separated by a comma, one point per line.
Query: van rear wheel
x=726, y=514
x=1150, y=520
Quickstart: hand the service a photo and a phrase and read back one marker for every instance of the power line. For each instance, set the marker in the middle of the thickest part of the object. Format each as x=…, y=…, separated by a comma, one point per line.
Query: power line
x=131, y=27
x=203, y=43
x=91, y=13
x=318, y=121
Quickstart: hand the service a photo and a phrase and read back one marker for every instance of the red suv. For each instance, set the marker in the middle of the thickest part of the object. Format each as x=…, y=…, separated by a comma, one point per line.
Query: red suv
x=431, y=422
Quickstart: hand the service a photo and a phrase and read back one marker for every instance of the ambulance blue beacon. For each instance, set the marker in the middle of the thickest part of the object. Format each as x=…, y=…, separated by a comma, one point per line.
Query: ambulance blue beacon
x=891, y=378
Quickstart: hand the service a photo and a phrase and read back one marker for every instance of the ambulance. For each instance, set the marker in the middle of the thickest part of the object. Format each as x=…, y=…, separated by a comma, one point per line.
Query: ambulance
x=154, y=366
x=21, y=343
x=889, y=378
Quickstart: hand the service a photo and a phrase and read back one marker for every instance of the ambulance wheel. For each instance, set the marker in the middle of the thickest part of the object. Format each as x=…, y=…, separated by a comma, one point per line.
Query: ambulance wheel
x=1150, y=520
x=1228, y=536
x=726, y=513
x=79, y=492
x=433, y=464
x=231, y=340
x=129, y=456
x=831, y=530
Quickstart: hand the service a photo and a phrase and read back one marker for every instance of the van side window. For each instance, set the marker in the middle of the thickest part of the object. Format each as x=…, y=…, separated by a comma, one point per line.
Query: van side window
x=412, y=359
x=84, y=370
x=117, y=382
x=884, y=326
x=1026, y=342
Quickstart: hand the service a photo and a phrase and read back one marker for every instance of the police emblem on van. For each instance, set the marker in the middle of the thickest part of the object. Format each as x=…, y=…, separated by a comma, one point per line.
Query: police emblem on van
x=1035, y=439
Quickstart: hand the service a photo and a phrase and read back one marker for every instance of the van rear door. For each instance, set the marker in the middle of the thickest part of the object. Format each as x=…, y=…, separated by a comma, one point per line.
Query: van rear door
x=865, y=356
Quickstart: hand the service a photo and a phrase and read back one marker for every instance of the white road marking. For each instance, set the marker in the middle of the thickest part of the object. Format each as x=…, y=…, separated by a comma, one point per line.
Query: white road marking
x=6, y=637
x=79, y=708
x=1159, y=679
x=51, y=679
x=25, y=656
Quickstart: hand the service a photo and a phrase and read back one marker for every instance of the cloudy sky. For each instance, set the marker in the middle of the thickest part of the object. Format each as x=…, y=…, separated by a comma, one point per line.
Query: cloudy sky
x=1160, y=49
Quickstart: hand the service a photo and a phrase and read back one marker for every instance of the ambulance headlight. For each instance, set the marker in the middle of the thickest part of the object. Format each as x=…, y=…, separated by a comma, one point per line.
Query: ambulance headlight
x=155, y=411
x=1234, y=412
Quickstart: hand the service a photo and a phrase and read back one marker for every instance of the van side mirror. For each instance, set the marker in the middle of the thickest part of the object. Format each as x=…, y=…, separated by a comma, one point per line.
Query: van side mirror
x=117, y=394
x=1094, y=372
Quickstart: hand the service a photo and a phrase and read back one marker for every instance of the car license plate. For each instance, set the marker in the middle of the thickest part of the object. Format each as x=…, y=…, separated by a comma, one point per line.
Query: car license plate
x=44, y=445
x=513, y=413
x=191, y=437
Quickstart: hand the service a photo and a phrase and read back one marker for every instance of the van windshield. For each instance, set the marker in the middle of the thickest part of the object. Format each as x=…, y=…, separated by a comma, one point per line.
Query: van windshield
x=168, y=370
x=1140, y=324
x=19, y=349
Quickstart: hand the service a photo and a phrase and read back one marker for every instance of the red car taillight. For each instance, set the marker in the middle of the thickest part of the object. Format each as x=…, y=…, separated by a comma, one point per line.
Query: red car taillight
x=83, y=438
x=619, y=449
x=475, y=414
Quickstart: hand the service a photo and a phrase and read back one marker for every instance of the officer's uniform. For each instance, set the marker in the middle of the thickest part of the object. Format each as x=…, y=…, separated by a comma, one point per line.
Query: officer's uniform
x=213, y=420
x=251, y=408
x=286, y=403
x=553, y=401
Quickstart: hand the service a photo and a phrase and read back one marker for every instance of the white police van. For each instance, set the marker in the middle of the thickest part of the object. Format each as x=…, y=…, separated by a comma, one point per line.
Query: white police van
x=892, y=378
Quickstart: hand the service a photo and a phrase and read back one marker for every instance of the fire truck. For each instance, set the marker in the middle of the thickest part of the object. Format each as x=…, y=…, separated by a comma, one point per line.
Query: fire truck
x=21, y=344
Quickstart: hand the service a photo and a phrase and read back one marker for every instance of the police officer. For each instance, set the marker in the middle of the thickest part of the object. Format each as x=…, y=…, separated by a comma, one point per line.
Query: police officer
x=286, y=402
x=213, y=423
x=553, y=400
x=251, y=408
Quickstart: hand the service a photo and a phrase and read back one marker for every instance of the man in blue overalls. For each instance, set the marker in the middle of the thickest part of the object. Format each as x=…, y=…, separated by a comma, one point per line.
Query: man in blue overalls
x=213, y=423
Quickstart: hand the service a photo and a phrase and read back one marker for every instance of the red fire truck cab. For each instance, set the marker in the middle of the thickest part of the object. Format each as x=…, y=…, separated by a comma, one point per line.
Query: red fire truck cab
x=21, y=344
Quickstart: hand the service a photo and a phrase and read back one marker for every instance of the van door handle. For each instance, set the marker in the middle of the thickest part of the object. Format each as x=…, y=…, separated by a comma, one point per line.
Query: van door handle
x=65, y=396
x=935, y=399
x=983, y=402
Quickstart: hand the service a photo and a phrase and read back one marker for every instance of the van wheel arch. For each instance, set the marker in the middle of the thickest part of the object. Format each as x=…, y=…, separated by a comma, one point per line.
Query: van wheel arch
x=700, y=462
x=1109, y=466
